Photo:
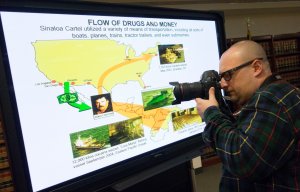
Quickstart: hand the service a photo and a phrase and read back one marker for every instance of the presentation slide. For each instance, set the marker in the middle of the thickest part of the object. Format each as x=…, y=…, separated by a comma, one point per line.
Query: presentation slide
x=93, y=91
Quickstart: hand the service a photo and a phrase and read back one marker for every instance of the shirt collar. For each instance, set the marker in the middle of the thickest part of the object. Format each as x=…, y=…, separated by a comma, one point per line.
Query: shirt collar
x=269, y=80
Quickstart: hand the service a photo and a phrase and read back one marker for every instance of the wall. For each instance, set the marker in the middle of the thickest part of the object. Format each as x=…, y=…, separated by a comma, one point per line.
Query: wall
x=265, y=18
x=264, y=23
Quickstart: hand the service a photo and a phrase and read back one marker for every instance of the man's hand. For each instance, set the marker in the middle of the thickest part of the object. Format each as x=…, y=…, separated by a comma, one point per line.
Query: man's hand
x=203, y=104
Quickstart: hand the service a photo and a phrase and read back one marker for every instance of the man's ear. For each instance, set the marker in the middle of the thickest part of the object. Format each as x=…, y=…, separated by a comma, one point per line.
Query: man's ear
x=257, y=67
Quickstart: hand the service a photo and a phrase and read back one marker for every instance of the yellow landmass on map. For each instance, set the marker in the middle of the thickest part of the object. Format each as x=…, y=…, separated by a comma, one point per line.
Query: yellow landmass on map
x=102, y=63
x=155, y=119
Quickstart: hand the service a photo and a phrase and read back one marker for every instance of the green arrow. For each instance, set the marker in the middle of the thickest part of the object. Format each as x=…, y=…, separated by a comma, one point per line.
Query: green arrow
x=71, y=98
x=66, y=87
x=81, y=106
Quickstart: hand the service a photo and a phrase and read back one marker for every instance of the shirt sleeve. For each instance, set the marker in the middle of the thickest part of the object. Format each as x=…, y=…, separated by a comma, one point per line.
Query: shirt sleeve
x=259, y=142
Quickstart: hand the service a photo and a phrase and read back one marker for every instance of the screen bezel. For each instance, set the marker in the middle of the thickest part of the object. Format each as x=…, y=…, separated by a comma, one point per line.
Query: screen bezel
x=185, y=149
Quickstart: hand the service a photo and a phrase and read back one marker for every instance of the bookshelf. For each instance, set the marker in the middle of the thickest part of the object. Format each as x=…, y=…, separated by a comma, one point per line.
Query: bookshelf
x=283, y=52
x=287, y=57
x=6, y=183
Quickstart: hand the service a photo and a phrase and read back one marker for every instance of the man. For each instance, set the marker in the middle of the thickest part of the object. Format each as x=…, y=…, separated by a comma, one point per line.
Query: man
x=260, y=150
x=103, y=104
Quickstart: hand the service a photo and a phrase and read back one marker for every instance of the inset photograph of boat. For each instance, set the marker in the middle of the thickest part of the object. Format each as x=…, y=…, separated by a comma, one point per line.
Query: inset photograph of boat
x=157, y=98
x=89, y=141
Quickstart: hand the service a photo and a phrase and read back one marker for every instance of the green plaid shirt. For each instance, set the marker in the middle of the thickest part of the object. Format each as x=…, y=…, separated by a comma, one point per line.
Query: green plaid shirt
x=260, y=151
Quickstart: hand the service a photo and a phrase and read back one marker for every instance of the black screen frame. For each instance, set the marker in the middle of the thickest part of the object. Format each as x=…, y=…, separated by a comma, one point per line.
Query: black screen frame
x=181, y=151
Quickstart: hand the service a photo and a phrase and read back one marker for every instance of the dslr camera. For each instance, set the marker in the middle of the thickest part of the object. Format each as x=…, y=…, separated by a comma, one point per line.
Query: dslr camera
x=189, y=91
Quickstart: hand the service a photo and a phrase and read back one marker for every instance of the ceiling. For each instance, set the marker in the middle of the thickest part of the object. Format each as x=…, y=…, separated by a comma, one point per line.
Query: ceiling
x=228, y=6
x=181, y=2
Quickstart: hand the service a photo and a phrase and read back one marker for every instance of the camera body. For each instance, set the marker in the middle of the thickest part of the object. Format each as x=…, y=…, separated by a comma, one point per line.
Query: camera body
x=189, y=91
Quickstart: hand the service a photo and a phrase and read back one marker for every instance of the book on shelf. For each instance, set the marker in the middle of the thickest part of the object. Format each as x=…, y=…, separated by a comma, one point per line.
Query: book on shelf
x=288, y=46
x=267, y=47
x=6, y=183
x=287, y=63
x=292, y=77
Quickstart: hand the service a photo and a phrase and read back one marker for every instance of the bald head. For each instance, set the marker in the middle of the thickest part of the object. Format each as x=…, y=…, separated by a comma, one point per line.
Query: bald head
x=253, y=69
x=247, y=50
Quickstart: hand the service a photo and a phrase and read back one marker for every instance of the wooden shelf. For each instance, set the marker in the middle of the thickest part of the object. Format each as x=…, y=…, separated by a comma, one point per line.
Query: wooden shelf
x=283, y=52
x=6, y=183
x=210, y=161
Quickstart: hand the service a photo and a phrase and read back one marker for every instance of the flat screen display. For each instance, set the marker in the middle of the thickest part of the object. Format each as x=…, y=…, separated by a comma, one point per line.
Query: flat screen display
x=90, y=89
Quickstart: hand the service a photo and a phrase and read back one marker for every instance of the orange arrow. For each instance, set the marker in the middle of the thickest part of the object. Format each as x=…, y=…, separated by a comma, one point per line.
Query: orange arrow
x=145, y=57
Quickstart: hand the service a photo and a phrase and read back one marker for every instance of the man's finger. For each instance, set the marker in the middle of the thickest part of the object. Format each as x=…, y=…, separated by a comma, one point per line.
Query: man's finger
x=211, y=93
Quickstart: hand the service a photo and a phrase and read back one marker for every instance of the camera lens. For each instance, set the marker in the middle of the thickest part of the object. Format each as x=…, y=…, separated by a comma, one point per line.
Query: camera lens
x=187, y=91
x=191, y=91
